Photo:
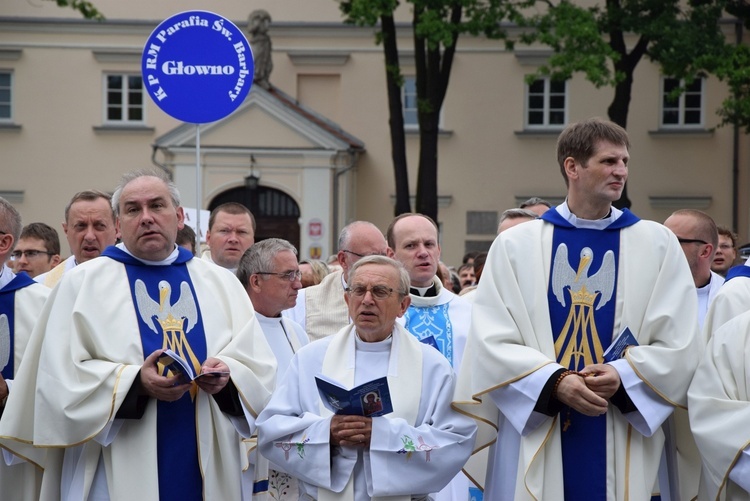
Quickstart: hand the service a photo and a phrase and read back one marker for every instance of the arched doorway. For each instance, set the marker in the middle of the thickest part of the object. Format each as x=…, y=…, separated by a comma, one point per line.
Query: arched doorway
x=276, y=213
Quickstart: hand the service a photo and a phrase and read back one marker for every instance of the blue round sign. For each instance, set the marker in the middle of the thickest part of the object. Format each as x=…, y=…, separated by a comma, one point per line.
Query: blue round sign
x=197, y=66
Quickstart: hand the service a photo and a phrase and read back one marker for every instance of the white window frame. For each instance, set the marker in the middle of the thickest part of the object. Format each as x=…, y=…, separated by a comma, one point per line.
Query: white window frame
x=9, y=118
x=546, y=109
x=125, y=100
x=414, y=126
x=680, y=106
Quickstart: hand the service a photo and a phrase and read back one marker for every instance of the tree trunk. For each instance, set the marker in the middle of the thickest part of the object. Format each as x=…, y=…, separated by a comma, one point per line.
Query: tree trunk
x=618, y=113
x=396, y=116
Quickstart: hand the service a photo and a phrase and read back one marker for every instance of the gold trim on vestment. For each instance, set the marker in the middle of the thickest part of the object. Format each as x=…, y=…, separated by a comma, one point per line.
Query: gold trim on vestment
x=645, y=381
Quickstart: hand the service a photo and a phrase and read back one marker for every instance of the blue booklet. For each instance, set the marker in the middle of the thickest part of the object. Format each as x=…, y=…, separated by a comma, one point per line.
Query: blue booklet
x=178, y=365
x=370, y=399
x=617, y=349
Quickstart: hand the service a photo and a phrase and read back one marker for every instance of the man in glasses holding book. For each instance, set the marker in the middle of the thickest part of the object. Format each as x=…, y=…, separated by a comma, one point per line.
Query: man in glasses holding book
x=315, y=426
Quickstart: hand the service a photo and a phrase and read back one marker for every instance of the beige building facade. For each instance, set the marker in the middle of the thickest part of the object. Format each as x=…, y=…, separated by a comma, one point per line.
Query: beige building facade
x=312, y=152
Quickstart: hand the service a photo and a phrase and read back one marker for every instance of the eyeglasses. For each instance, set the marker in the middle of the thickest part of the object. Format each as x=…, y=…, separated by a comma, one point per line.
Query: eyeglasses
x=377, y=291
x=363, y=255
x=691, y=241
x=288, y=275
x=726, y=246
x=30, y=254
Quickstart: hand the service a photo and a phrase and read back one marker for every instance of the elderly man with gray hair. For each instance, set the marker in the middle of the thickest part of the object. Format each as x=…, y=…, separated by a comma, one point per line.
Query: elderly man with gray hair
x=408, y=453
x=270, y=274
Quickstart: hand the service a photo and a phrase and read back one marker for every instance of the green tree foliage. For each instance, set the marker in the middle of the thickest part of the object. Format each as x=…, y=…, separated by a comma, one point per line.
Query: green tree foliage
x=436, y=27
x=607, y=41
x=87, y=9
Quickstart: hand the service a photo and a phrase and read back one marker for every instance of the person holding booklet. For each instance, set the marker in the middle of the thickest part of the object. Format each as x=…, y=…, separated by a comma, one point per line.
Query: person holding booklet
x=555, y=293
x=405, y=454
x=120, y=425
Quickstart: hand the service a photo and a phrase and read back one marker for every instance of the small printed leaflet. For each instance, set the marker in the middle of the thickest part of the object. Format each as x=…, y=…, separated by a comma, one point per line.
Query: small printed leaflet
x=178, y=365
x=369, y=399
x=430, y=340
x=617, y=349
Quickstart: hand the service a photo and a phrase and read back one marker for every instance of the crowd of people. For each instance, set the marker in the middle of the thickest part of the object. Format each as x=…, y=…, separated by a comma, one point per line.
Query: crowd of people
x=589, y=354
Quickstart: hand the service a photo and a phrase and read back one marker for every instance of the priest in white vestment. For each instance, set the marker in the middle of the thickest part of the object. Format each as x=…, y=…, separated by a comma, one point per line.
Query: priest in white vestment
x=270, y=273
x=559, y=422
x=21, y=300
x=719, y=407
x=406, y=454
x=146, y=432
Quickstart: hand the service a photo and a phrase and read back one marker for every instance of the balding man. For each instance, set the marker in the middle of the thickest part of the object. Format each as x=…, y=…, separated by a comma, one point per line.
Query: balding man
x=511, y=217
x=436, y=316
x=698, y=236
x=144, y=431
x=321, y=309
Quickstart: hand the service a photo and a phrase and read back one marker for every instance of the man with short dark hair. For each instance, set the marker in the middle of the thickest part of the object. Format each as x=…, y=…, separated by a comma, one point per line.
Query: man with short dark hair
x=37, y=251
x=89, y=227
x=402, y=455
x=562, y=421
x=231, y=231
x=726, y=251
x=144, y=430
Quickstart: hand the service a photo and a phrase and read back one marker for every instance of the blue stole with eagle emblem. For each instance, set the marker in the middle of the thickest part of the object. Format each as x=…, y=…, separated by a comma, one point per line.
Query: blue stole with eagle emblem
x=8, y=310
x=582, y=299
x=169, y=317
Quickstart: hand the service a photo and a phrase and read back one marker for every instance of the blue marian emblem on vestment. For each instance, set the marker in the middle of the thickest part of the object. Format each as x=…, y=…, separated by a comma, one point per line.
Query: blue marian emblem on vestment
x=578, y=340
x=173, y=320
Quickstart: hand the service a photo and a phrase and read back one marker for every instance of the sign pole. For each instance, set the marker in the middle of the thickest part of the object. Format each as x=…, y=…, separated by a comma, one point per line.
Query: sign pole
x=198, y=187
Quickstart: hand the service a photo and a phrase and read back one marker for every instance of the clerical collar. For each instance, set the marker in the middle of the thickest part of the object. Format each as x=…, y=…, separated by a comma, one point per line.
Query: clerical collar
x=599, y=224
x=430, y=291
x=164, y=262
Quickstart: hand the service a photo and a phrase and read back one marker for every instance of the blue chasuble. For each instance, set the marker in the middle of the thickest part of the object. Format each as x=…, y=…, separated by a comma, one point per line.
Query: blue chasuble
x=169, y=316
x=8, y=320
x=582, y=298
x=431, y=321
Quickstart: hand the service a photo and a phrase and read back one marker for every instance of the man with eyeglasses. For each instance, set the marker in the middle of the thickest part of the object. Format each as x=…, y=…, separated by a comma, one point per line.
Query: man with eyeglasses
x=89, y=227
x=37, y=251
x=321, y=309
x=129, y=426
x=406, y=454
x=699, y=238
x=21, y=301
x=560, y=420
x=231, y=231
x=270, y=274
x=726, y=252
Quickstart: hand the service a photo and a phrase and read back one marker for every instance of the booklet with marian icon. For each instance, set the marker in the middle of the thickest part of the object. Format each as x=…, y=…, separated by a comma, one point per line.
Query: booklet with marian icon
x=622, y=342
x=370, y=399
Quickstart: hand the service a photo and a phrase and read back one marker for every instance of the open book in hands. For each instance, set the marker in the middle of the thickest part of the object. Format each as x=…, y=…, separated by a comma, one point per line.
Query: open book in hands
x=369, y=399
x=178, y=365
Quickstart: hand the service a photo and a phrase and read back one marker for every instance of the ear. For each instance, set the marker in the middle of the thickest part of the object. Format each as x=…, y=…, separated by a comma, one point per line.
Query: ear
x=180, y=218
x=708, y=251
x=55, y=260
x=254, y=283
x=405, y=302
x=390, y=252
x=6, y=244
x=571, y=168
